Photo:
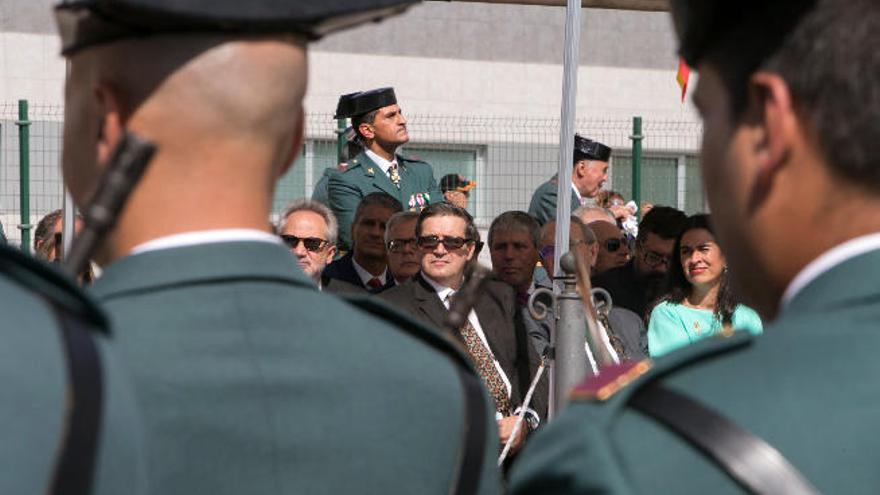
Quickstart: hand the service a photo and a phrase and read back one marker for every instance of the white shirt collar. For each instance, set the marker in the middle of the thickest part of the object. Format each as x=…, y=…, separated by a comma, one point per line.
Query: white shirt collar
x=442, y=291
x=828, y=260
x=205, y=237
x=366, y=276
x=381, y=162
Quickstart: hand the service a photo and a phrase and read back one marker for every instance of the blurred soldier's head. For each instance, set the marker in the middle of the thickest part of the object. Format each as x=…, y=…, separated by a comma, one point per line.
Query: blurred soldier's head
x=217, y=86
x=789, y=92
x=447, y=237
x=590, y=170
x=308, y=229
x=404, y=256
x=514, y=239
x=368, y=227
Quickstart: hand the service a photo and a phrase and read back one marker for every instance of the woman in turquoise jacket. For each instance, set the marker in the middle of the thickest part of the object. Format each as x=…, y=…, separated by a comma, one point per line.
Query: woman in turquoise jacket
x=700, y=302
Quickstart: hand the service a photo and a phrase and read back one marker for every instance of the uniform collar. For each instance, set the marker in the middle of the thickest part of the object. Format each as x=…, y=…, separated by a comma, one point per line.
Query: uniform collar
x=380, y=162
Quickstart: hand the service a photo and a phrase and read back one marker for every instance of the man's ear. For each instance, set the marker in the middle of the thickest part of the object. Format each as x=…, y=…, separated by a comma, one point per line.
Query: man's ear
x=776, y=123
x=594, y=254
x=366, y=130
x=112, y=125
x=295, y=144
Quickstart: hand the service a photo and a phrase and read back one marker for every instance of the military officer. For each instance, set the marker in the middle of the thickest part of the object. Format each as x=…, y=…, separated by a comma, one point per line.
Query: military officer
x=793, y=411
x=381, y=127
x=69, y=421
x=588, y=175
x=250, y=379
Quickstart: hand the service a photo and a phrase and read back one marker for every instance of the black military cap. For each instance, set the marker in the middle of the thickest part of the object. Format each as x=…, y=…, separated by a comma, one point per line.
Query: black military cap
x=587, y=149
x=354, y=104
x=701, y=24
x=83, y=23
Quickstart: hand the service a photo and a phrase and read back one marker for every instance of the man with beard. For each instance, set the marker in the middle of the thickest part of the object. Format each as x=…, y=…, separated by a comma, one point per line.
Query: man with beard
x=636, y=284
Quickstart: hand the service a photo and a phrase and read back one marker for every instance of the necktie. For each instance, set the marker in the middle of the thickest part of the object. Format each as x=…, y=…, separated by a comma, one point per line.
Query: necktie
x=374, y=283
x=485, y=364
x=393, y=174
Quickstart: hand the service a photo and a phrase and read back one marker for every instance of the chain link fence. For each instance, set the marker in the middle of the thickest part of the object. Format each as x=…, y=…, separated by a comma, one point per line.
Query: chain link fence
x=508, y=157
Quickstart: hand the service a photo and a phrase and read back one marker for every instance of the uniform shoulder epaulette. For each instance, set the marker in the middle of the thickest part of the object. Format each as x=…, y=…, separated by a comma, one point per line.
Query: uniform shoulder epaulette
x=410, y=325
x=55, y=287
x=627, y=377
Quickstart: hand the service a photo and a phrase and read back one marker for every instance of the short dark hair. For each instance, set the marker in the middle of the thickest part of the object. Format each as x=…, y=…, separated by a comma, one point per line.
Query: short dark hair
x=829, y=62
x=663, y=221
x=376, y=199
x=679, y=287
x=516, y=220
x=367, y=118
x=45, y=227
x=447, y=209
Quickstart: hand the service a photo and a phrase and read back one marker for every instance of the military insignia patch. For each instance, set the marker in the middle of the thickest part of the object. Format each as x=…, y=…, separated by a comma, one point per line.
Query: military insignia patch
x=610, y=380
x=370, y=170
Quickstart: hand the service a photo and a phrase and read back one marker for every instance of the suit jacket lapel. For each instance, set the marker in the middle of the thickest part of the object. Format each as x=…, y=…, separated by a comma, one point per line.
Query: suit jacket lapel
x=428, y=302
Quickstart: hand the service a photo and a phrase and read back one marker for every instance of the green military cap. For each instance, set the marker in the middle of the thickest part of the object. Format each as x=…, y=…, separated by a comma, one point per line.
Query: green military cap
x=587, y=149
x=354, y=104
x=701, y=24
x=84, y=23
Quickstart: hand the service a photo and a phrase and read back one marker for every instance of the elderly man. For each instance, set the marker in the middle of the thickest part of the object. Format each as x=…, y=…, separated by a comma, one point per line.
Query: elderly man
x=493, y=335
x=625, y=333
x=613, y=248
x=381, y=127
x=366, y=265
x=788, y=91
x=404, y=255
x=245, y=372
x=637, y=283
x=588, y=175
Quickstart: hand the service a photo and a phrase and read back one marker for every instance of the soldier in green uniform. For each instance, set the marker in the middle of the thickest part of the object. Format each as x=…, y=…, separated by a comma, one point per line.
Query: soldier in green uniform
x=790, y=97
x=69, y=421
x=250, y=379
x=588, y=175
x=381, y=126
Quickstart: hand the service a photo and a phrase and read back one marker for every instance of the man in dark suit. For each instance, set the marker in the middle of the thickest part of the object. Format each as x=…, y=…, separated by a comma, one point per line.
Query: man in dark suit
x=494, y=334
x=589, y=173
x=366, y=265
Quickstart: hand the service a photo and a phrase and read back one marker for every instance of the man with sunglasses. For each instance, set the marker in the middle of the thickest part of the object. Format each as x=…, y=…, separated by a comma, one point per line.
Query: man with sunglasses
x=634, y=285
x=612, y=243
x=381, y=127
x=494, y=334
x=588, y=175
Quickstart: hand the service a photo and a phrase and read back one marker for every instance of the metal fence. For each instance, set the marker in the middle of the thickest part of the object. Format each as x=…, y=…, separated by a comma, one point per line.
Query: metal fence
x=508, y=157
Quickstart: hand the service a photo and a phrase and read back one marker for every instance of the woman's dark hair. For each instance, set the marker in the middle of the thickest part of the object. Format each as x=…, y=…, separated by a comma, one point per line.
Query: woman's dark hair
x=679, y=287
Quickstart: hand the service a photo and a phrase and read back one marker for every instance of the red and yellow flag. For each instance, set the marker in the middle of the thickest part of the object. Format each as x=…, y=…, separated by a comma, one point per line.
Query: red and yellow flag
x=684, y=72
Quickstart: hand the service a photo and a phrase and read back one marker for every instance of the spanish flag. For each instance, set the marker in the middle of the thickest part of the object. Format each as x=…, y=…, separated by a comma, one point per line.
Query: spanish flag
x=684, y=72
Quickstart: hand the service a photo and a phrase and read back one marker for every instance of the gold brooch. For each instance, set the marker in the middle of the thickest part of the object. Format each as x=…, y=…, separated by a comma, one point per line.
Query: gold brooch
x=370, y=170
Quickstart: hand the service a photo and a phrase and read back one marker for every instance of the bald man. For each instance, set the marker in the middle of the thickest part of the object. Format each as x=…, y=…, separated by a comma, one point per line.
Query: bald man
x=244, y=370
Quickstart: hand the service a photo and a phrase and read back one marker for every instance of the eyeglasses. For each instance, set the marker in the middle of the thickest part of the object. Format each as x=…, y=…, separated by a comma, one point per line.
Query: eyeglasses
x=450, y=243
x=550, y=249
x=312, y=244
x=398, y=245
x=612, y=245
x=654, y=259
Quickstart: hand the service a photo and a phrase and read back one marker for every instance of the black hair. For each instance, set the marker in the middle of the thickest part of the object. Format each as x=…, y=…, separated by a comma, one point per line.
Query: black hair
x=367, y=118
x=663, y=221
x=376, y=199
x=679, y=287
x=447, y=209
x=511, y=220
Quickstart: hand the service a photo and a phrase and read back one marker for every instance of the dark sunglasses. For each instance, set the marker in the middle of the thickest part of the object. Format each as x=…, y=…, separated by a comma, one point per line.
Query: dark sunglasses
x=312, y=244
x=398, y=245
x=613, y=245
x=450, y=243
x=654, y=259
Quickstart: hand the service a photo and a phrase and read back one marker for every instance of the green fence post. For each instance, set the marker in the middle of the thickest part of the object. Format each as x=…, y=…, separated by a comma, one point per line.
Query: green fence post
x=637, y=164
x=24, y=178
x=340, y=139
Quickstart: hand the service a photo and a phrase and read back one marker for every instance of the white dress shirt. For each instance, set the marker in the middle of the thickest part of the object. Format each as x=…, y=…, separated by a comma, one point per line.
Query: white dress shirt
x=581, y=200
x=828, y=260
x=366, y=276
x=381, y=162
x=205, y=237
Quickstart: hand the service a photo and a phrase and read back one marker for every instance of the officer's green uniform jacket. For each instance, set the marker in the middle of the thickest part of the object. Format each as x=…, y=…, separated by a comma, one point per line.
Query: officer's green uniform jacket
x=418, y=189
x=252, y=381
x=808, y=386
x=33, y=385
x=543, y=204
x=321, y=193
